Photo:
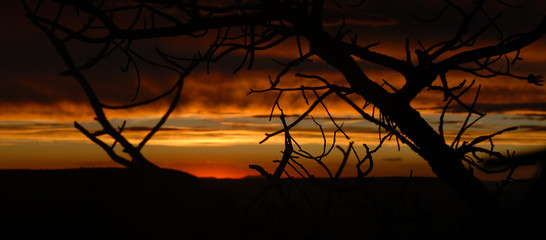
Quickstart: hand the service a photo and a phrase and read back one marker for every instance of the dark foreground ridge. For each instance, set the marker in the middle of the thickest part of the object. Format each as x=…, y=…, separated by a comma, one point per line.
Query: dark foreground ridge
x=110, y=203
x=121, y=203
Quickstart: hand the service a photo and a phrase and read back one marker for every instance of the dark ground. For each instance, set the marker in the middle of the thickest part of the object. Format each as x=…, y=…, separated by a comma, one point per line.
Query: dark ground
x=123, y=204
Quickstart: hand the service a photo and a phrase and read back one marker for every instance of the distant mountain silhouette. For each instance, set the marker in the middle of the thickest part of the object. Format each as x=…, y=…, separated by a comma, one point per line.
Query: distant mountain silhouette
x=111, y=204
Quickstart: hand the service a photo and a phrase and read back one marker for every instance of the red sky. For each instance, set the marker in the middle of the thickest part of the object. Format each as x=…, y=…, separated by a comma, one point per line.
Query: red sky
x=216, y=128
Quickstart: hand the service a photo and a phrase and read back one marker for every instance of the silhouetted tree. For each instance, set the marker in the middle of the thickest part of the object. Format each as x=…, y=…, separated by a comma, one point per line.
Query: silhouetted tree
x=60, y=30
x=252, y=26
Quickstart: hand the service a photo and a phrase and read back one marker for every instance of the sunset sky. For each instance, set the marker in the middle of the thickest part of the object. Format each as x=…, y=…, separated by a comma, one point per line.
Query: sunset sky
x=216, y=129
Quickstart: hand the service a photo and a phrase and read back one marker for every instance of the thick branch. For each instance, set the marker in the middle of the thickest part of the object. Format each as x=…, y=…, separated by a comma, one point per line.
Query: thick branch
x=138, y=159
x=366, y=54
x=520, y=42
x=104, y=146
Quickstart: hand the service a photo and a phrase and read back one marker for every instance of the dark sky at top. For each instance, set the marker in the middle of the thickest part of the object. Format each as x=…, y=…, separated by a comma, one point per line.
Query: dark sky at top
x=29, y=65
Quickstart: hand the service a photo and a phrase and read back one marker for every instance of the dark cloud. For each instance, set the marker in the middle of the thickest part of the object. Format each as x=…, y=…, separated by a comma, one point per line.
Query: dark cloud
x=405, y=14
x=533, y=128
x=29, y=65
x=393, y=159
x=170, y=129
x=274, y=116
x=503, y=107
x=537, y=117
x=33, y=125
x=355, y=17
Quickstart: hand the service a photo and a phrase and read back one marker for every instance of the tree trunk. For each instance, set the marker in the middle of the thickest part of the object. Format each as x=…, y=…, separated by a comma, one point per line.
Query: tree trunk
x=449, y=167
x=443, y=160
x=143, y=163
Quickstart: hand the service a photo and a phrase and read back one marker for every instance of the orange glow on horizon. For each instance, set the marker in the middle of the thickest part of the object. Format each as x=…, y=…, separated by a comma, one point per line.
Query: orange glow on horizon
x=216, y=128
x=219, y=172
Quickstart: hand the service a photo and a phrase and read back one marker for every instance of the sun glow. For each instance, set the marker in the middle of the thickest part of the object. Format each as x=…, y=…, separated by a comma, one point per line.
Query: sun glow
x=218, y=126
x=222, y=146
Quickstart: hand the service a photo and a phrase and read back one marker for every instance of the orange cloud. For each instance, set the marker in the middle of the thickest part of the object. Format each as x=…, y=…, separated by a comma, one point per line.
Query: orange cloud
x=215, y=111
